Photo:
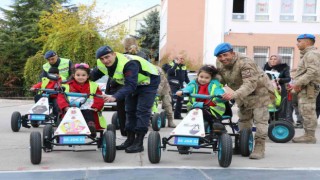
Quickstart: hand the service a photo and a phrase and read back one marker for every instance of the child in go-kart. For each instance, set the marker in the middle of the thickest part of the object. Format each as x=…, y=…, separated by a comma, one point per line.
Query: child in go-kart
x=47, y=83
x=207, y=84
x=80, y=84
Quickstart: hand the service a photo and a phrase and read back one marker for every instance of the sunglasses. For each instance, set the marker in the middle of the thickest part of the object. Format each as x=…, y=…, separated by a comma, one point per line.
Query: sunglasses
x=81, y=65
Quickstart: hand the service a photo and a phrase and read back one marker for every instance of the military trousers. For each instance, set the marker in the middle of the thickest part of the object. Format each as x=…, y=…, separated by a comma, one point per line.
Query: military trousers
x=167, y=106
x=258, y=116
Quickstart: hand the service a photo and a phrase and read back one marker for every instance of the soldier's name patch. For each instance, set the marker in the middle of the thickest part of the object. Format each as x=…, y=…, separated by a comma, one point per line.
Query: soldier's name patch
x=246, y=73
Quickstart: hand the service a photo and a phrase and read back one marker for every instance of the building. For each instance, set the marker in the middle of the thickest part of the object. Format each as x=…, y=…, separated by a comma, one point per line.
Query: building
x=257, y=28
x=134, y=22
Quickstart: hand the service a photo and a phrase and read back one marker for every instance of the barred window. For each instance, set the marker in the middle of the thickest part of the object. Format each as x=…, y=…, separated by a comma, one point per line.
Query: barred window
x=260, y=55
x=240, y=49
x=286, y=54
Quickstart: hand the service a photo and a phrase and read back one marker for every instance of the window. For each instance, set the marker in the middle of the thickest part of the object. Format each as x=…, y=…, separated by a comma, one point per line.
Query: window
x=286, y=13
x=261, y=55
x=286, y=54
x=139, y=24
x=238, y=10
x=309, y=11
x=262, y=10
x=240, y=49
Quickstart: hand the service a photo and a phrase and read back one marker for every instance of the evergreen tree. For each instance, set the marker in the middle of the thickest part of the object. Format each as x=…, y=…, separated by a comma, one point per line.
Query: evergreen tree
x=149, y=35
x=17, y=33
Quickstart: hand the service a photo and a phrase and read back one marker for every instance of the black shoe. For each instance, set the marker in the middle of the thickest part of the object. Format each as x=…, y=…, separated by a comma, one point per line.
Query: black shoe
x=137, y=145
x=298, y=126
x=178, y=117
x=93, y=131
x=24, y=123
x=183, y=149
x=130, y=139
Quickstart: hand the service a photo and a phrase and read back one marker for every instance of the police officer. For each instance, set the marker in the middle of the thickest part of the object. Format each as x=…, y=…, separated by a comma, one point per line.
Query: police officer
x=140, y=80
x=251, y=88
x=306, y=85
x=177, y=74
x=64, y=65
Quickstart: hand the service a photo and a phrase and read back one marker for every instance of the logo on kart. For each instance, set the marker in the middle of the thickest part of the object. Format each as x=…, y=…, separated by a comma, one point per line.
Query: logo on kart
x=195, y=129
x=73, y=112
x=195, y=113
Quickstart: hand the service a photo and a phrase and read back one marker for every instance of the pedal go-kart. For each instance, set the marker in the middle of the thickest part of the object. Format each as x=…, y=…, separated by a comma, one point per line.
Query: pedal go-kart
x=194, y=133
x=73, y=131
x=39, y=114
x=279, y=131
x=158, y=120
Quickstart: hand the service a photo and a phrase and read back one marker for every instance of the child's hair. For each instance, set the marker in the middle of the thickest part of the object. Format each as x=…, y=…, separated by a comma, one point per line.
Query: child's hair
x=53, y=70
x=82, y=66
x=210, y=69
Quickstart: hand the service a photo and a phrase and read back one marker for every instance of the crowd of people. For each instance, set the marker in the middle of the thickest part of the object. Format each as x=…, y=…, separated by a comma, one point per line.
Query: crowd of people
x=134, y=83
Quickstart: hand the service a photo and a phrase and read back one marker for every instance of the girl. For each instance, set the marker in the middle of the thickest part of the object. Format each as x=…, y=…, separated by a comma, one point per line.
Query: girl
x=206, y=84
x=80, y=84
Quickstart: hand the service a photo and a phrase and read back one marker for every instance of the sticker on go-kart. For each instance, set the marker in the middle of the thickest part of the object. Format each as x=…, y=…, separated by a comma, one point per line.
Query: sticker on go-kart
x=191, y=125
x=86, y=105
x=73, y=123
x=41, y=107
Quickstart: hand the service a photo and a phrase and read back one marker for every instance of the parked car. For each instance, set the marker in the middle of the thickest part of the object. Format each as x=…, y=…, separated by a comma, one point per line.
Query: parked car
x=102, y=82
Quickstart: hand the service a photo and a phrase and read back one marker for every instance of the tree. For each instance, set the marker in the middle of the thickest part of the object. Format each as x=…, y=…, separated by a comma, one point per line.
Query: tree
x=114, y=37
x=149, y=34
x=72, y=34
x=18, y=29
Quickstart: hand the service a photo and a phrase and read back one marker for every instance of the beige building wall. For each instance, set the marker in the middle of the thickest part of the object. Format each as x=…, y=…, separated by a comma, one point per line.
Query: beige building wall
x=273, y=41
x=185, y=29
x=133, y=22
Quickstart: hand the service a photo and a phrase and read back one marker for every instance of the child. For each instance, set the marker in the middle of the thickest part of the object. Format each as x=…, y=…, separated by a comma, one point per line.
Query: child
x=80, y=84
x=207, y=84
x=48, y=84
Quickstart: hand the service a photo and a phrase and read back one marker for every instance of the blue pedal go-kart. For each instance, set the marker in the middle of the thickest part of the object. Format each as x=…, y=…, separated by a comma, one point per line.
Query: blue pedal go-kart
x=39, y=114
x=194, y=133
x=73, y=131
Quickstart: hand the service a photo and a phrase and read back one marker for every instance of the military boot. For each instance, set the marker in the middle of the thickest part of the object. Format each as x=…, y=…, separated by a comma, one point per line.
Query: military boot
x=259, y=148
x=171, y=123
x=308, y=138
x=130, y=139
x=137, y=145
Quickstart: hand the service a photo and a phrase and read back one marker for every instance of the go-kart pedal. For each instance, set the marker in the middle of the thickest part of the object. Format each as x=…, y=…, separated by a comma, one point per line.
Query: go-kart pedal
x=183, y=149
x=24, y=123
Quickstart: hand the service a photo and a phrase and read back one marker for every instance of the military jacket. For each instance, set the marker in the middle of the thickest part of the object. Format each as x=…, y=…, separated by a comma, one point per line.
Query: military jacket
x=308, y=74
x=251, y=85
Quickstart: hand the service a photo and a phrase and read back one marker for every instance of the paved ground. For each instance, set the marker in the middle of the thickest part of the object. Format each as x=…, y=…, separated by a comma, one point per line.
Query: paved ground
x=283, y=161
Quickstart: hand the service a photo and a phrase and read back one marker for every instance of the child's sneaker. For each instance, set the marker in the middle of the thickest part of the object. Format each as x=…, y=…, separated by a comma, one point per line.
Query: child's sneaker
x=93, y=131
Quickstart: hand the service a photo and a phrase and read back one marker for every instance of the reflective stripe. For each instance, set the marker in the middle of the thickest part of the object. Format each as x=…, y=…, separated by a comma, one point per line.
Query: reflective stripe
x=63, y=68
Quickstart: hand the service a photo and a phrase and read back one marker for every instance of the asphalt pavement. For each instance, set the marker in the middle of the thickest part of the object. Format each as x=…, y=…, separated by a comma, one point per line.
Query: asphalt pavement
x=282, y=161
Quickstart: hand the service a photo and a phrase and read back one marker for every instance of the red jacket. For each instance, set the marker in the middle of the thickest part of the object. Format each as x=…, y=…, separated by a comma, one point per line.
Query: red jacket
x=50, y=85
x=98, y=103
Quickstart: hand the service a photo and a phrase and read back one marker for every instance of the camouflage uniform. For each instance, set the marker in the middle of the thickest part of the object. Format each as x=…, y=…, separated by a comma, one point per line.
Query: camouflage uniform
x=252, y=94
x=164, y=93
x=308, y=77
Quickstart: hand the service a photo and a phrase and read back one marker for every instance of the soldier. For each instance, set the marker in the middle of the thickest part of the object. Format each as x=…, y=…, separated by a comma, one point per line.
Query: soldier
x=252, y=90
x=164, y=92
x=306, y=85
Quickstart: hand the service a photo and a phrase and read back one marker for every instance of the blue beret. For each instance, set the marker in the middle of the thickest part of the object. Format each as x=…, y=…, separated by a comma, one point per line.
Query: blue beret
x=103, y=50
x=222, y=48
x=49, y=54
x=306, y=36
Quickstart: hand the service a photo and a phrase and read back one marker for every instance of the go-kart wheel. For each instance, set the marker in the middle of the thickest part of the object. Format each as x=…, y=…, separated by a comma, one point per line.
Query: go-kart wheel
x=154, y=147
x=47, y=138
x=281, y=131
x=15, y=121
x=35, y=124
x=163, y=117
x=115, y=120
x=225, y=150
x=245, y=142
x=156, y=122
x=35, y=147
x=112, y=127
x=108, y=147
